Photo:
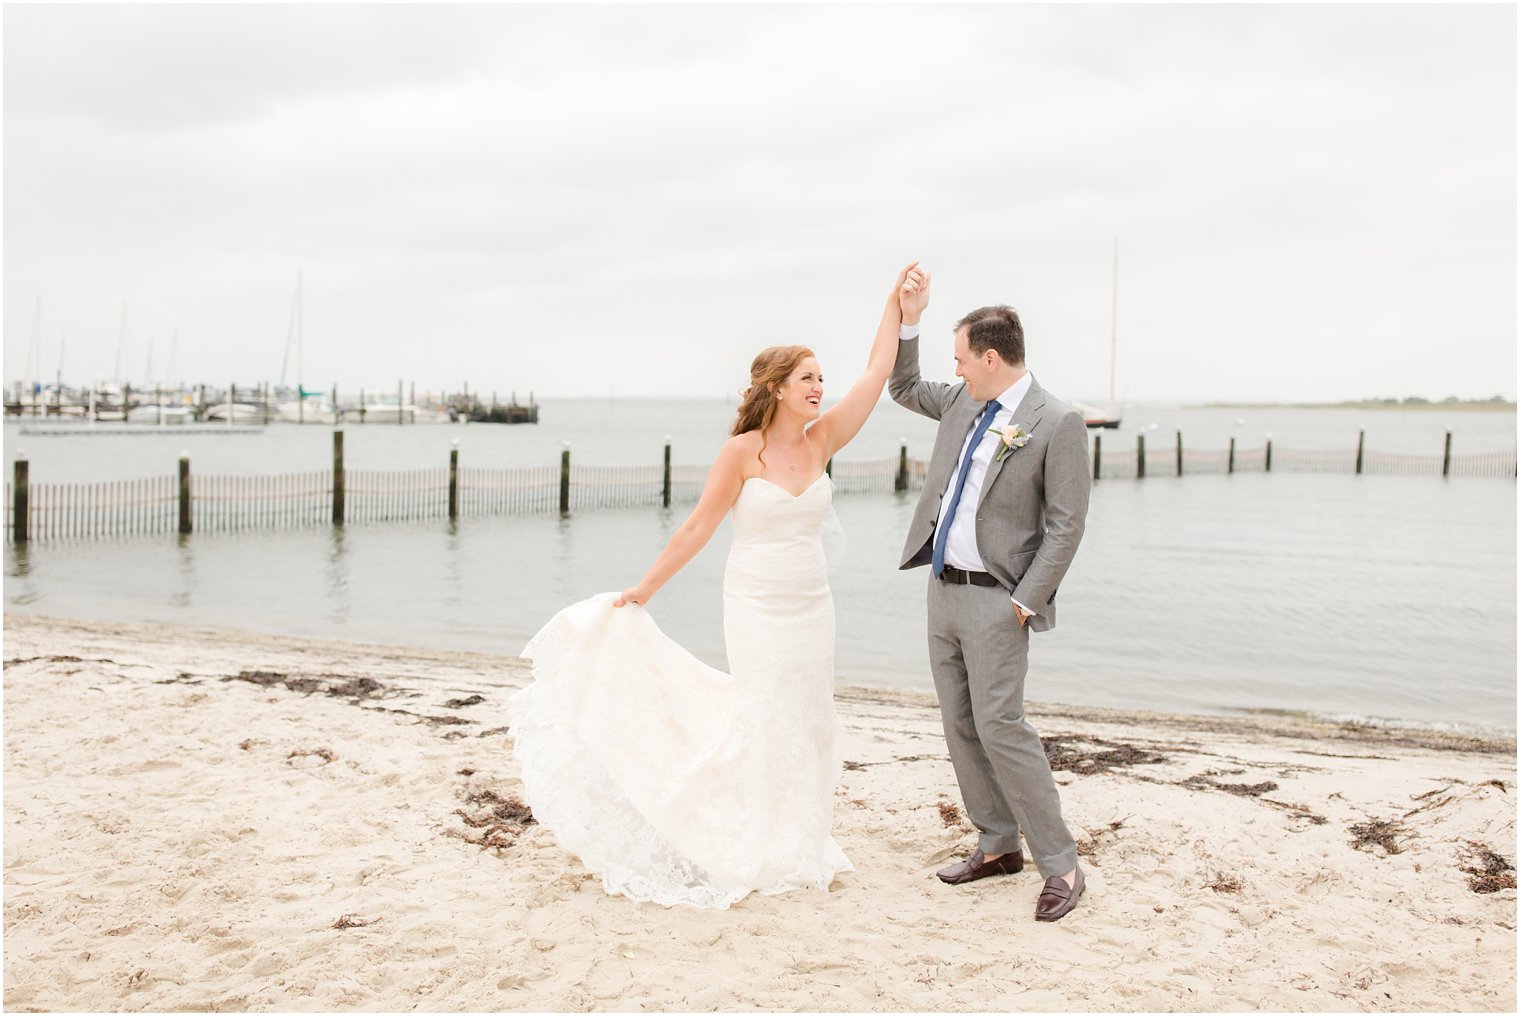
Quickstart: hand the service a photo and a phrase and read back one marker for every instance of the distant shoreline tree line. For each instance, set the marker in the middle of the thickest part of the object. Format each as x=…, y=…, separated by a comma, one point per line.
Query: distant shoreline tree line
x=1408, y=402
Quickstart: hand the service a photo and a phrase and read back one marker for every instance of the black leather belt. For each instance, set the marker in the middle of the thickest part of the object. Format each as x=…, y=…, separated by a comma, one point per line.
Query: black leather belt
x=957, y=577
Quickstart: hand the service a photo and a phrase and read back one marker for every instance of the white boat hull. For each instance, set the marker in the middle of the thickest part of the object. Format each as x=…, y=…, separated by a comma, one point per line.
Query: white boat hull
x=172, y=415
x=242, y=412
x=312, y=412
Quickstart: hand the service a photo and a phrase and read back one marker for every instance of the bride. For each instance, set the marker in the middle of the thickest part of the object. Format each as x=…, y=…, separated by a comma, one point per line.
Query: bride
x=676, y=782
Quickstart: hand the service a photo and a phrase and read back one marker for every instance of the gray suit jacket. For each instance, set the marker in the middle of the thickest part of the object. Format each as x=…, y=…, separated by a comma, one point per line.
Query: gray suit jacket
x=1034, y=502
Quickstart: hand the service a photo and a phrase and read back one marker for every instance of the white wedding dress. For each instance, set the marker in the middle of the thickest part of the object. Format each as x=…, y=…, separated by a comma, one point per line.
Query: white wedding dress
x=679, y=783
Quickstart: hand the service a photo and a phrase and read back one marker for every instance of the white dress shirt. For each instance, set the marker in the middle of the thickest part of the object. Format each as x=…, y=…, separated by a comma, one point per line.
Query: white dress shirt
x=960, y=546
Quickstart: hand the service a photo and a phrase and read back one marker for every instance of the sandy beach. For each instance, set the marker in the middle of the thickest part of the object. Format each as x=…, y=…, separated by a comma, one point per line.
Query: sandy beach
x=212, y=820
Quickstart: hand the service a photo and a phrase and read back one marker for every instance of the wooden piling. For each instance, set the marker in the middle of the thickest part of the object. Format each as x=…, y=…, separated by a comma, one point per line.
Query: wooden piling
x=184, y=494
x=1269, y=456
x=1446, y=457
x=1139, y=456
x=21, y=504
x=1097, y=455
x=454, y=480
x=1231, y=468
x=665, y=487
x=564, y=481
x=361, y=405
x=1179, y=453
x=1361, y=445
x=901, y=482
x=338, y=505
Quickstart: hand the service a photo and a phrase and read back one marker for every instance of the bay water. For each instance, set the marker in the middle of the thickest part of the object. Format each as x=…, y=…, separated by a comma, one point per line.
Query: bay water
x=1372, y=597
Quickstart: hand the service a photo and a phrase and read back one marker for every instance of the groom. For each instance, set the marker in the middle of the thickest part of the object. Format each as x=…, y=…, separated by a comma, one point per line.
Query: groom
x=998, y=522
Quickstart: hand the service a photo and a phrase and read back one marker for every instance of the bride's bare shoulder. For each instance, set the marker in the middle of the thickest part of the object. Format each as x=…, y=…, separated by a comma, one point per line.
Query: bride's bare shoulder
x=740, y=454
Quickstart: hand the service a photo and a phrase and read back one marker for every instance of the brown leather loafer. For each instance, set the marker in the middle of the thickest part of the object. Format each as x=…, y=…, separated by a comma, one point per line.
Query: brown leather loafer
x=1056, y=900
x=977, y=866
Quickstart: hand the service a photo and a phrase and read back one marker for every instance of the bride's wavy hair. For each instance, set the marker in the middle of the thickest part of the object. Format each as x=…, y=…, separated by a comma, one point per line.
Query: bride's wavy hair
x=768, y=372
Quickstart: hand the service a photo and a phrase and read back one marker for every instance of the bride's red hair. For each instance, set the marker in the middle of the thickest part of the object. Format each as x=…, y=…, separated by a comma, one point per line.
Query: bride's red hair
x=768, y=372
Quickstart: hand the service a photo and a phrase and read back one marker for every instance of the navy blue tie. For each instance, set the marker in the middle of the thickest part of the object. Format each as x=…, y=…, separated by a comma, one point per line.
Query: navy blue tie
x=942, y=534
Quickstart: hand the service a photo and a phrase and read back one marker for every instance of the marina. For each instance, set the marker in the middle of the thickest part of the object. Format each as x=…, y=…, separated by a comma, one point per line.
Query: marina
x=260, y=404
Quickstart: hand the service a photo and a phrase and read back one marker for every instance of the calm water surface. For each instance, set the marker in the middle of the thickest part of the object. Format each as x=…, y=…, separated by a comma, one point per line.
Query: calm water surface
x=1388, y=597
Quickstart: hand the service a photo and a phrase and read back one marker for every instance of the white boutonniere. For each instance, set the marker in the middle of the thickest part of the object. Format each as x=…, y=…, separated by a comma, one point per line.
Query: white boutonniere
x=1011, y=438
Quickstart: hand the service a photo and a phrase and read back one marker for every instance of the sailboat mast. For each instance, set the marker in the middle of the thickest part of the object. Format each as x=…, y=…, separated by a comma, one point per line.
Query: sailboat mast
x=121, y=345
x=34, y=347
x=1113, y=347
x=300, y=337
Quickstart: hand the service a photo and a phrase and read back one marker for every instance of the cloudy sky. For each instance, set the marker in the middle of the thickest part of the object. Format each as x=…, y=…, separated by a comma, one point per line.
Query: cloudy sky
x=1310, y=202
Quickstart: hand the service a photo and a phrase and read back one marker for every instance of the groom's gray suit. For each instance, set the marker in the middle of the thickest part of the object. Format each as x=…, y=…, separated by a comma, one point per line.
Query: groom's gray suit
x=1028, y=521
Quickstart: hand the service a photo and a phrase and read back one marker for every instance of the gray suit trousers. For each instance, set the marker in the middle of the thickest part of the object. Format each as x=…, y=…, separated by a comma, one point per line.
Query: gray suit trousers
x=980, y=654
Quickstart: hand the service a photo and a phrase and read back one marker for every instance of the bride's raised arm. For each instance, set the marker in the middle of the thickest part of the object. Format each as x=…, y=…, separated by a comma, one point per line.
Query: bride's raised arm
x=836, y=427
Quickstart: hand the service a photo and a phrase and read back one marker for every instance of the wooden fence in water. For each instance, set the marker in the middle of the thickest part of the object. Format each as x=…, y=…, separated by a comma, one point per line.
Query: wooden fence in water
x=1174, y=458
x=213, y=503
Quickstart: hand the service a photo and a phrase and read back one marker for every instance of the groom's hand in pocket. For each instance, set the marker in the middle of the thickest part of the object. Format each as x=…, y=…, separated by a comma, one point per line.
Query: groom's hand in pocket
x=1021, y=614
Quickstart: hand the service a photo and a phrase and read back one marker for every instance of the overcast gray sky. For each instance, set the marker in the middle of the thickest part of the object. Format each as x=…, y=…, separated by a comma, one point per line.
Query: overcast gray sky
x=1311, y=202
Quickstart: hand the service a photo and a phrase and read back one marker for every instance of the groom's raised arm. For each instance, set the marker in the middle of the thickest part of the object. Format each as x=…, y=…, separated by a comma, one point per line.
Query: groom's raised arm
x=908, y=388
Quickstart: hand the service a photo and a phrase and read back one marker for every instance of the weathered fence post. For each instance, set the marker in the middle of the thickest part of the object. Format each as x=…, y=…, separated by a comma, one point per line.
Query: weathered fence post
x=1269, y=453
x=1139, y=456
x=1231, y=468
x=1179, y=453
x=1446, y=457
x=1097, y=455
x=454, y=479
x=21, y=502
x=1361, y=445
x=564, y=481
x=184, y=492
x=665, y=489
x=337, y=485
x=902, y=466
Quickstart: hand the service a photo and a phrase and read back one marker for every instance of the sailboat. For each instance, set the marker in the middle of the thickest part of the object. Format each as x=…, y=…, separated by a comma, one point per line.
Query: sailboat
x=1100, y=418
x=299, y=410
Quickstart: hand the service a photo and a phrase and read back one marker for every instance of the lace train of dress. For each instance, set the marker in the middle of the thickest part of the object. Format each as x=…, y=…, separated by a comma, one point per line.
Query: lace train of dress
x=676, y=782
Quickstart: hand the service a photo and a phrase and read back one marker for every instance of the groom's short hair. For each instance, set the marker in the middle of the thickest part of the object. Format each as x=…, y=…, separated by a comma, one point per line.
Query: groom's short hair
x=995, y=328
